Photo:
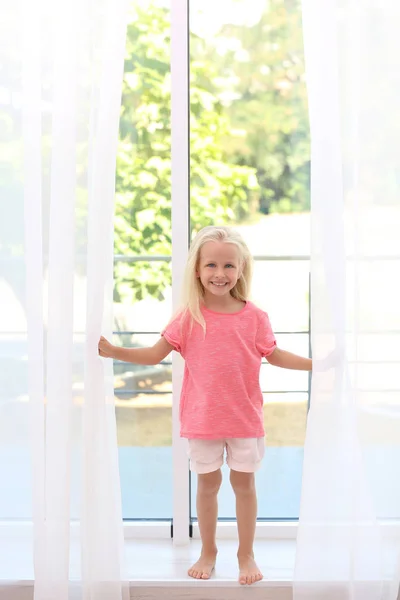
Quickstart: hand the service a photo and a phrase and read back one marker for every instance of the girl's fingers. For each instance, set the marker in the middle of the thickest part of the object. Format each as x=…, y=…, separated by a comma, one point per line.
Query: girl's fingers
x=102, y=342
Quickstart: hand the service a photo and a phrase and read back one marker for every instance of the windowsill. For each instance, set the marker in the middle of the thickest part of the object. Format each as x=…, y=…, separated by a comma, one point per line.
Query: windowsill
x=155, y=563
x=158, y=563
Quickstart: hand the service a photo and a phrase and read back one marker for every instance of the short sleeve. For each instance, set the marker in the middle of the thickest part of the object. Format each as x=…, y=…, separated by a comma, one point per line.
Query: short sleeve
x=265, y=339
x=173, y=333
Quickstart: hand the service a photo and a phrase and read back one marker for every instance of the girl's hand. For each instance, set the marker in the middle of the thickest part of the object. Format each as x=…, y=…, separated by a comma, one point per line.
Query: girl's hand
x=105, y=348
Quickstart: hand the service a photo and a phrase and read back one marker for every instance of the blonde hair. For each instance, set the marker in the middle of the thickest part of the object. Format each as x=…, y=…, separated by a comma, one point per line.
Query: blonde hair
x=193, y=290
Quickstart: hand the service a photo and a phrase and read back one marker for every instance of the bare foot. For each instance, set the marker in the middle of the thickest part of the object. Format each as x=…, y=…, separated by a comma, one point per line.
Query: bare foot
x=203, y=568
x=248, y=571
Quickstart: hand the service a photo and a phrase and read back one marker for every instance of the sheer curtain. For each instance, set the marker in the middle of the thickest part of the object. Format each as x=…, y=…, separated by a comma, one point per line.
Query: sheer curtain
x=348, y=543
x=62, y=68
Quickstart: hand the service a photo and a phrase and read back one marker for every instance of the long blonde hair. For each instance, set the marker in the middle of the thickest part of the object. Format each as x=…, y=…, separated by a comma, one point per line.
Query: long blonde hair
x=193, y=290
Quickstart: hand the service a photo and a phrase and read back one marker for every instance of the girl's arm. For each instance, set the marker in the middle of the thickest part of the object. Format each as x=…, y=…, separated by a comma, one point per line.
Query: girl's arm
x=287, y=360
x=141, y=356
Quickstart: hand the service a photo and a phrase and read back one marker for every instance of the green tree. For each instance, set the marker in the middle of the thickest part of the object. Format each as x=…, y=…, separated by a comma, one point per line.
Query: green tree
x=221, y=189
x=261, y=80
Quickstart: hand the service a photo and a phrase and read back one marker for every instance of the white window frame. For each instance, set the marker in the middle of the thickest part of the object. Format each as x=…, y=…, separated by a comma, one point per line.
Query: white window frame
x=180, y=161
x=180, y=165
x=226, y=530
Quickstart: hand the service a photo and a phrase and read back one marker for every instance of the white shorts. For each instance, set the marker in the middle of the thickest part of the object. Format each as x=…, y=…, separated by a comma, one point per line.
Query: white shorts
x=242, y=454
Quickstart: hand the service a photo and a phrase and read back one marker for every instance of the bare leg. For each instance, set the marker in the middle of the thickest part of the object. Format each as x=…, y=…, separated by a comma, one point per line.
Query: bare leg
x=243, y=485
x=207, y=514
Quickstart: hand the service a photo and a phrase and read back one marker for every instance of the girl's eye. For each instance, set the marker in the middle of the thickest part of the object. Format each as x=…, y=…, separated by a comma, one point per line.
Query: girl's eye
x=226, y=266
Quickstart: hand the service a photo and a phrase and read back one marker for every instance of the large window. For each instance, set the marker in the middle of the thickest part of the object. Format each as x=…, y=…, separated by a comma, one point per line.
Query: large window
x=249, y=167
x=243, y=73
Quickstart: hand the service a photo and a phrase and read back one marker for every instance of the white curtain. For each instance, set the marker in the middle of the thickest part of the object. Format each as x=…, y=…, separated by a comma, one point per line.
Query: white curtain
x=348, y=539
x=61, y=76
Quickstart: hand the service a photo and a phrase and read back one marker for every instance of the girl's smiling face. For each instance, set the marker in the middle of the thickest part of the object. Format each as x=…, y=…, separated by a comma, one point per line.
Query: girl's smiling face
x=219, y=267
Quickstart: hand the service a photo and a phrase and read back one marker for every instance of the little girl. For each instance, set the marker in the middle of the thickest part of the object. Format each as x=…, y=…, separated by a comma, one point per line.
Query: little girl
x=222, y=336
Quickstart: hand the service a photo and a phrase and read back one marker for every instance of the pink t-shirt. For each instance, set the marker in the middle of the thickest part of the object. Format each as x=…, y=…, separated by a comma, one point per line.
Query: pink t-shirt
x=221, y=395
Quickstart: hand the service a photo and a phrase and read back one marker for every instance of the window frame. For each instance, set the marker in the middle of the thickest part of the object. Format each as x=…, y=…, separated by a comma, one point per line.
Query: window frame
x=180, y=210
x=182, y=527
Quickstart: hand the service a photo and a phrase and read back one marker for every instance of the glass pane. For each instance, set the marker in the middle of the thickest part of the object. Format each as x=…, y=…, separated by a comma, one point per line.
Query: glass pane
x=250, y=169
x=15, y=457
x=144, y=438
x=132, y=381
x=279, y=478
x=142, y=294
x=281, y=287
x=284, y=380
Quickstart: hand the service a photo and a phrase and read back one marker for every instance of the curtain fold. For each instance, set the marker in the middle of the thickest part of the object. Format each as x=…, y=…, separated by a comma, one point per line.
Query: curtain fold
x=102, y=535
x=62, y=70
x=348, y=543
